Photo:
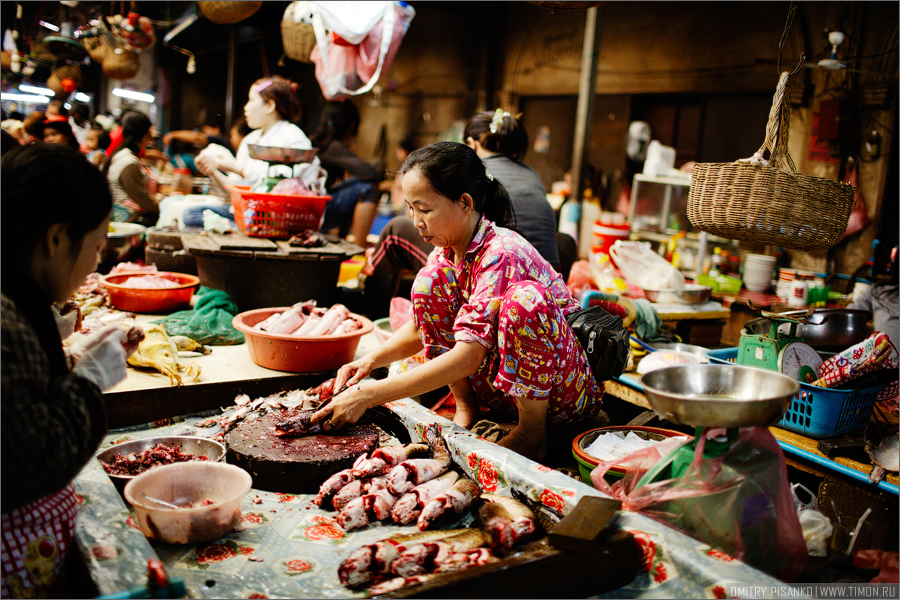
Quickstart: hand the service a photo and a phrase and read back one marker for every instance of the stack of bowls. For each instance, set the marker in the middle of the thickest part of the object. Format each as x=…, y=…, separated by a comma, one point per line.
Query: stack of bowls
x=758, y=271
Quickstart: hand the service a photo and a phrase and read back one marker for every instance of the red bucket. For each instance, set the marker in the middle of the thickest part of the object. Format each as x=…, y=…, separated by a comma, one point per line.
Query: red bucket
x=605, y=235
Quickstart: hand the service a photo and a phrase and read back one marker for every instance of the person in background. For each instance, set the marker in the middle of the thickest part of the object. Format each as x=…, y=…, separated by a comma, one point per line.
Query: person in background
x=55, y=108
x=392, y=186
x=59, y=132
x=94, y=143
x=351, y=180
x=210, y=132
x=272, y=106
x=16, y=129
x=239, y=130
x=127, y=175
x=501, y=141
x=34, y=126
x=53, y=415
x=80, y=121
x=487, y=308
x=9, y=142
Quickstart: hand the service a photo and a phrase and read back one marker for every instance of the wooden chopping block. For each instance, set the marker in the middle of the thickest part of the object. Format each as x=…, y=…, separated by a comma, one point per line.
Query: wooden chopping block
x=583, y=529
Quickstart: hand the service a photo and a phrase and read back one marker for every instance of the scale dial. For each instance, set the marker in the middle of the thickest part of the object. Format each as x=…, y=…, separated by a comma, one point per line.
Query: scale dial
x=796, y=355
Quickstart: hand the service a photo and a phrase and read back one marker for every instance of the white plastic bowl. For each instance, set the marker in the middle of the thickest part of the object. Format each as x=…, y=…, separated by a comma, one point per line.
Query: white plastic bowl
x=189, y=484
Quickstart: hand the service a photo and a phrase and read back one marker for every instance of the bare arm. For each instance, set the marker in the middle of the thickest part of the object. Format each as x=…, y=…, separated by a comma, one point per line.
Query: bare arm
x=134, y=182
x=195, y=138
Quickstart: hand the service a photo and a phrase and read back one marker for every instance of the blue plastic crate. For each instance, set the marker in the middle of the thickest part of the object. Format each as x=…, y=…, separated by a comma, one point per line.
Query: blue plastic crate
x=816, y=412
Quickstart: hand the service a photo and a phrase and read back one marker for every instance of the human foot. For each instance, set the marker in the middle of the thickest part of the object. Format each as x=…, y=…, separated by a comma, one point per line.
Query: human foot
x=529, y=446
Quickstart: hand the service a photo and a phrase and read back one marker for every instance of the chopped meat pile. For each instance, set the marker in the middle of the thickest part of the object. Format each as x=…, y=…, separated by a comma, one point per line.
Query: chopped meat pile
x=308, y=239
x=135, y=464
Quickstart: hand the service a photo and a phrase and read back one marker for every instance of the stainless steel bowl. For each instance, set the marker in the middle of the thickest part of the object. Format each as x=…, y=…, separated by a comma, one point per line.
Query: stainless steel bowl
x=123, y=241
x=698, y=351
x=197, y=446
x=844, y=327
x=287, y=156
x=719, y=395
x=692, y=294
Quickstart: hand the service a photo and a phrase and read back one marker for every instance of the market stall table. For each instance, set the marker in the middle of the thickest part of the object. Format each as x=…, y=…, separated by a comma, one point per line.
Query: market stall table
x=287, y=547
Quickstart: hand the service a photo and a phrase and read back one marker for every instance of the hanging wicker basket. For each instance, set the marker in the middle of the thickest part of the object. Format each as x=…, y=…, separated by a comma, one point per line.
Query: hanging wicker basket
x=121, y=64
x=297, y=33
x=768, y=202
x=225, y=13
x=59, y=75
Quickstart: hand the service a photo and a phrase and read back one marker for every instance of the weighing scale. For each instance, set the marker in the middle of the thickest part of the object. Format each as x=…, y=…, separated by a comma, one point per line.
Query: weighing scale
x=782, y=352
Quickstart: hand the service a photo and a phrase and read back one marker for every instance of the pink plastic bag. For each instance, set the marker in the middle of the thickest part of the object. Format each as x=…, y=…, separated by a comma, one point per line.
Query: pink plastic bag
x=739, y=503
x=340, y=71
x=370, y=48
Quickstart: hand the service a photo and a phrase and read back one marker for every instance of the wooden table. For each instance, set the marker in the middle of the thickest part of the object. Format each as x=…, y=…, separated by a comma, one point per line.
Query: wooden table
x=259, y=272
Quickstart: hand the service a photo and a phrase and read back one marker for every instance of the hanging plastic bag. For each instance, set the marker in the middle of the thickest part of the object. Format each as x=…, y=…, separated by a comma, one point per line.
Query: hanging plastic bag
x=643, y=267
x=817, y=529
x=859, y=216
x=351, y=21
x=345, y=70
x=739, y=502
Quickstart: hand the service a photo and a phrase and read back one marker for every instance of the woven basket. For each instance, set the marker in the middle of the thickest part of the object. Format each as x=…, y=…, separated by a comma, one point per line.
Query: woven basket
x=225, y=13
x=769, y=202
x=299, y=39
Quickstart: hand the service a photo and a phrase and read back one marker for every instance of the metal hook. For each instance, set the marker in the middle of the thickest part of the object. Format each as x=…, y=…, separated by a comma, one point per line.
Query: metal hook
x=798, y=67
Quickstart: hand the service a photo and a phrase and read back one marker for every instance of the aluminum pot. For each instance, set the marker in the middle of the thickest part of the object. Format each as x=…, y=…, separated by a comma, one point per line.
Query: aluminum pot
x=123, y=241
x=843, y=328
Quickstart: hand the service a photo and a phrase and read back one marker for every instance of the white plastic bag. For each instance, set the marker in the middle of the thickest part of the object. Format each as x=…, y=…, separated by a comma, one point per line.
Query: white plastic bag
x=644, y=268
x=817, y=529
x=351, y=20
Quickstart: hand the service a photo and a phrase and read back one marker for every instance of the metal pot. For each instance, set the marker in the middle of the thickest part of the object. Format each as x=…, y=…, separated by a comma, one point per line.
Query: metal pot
x=843, y=328
x=123, y=241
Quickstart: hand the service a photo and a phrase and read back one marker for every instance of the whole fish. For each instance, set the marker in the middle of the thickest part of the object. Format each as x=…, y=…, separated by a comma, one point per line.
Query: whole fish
x=385, y=458
x=373, y=560
x=426, y=557
x=506, y=520
x=409, y=506
x=398, y=583
x=545, y=516
x=885, y=457
x=448, y=504
x=412, y=472
x=361, y=511
x=357, y=488
x=459, y=561
x=333, y=485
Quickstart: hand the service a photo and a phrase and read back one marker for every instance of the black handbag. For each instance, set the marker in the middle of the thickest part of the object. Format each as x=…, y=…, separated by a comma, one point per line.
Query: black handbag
x=604, y=339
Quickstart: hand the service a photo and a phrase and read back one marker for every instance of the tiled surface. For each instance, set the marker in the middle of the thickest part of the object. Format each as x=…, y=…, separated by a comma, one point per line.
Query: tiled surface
x=286, y=547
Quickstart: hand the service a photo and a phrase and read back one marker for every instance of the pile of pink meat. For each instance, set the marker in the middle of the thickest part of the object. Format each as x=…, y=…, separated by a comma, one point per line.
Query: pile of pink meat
x=414, y=483
x=305, y=319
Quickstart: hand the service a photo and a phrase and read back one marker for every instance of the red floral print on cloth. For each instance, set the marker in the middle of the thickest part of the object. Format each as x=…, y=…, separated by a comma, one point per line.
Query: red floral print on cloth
x=719, y=592
x=714, y=553
x=254, y=518
x=487, y=476
x=552, y=499
x=257, y=596
x=104, y=552
x=132, y=522
x=473, y=461
x=651, y=554
x=286, y=497
x=297, y=566
x=324, y=531
x=216, y=553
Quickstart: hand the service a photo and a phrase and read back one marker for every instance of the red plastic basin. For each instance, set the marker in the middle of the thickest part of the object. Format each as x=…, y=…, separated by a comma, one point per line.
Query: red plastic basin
x=294, y=354
x=140, y=300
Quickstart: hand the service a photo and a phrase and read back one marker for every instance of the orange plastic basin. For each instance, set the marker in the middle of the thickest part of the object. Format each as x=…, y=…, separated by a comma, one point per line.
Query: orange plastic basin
x=295, y=354
x=154, y=300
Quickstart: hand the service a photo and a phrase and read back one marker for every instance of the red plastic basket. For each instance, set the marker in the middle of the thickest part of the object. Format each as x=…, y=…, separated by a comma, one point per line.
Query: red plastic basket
x=259, y=214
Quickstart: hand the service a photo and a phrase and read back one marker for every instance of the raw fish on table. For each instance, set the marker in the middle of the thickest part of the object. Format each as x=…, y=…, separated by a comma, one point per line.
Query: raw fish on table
x=450, y=504
x=506, y=520
x=410, y=473
x=371, y=561
x=428, y=556
x=409, y=506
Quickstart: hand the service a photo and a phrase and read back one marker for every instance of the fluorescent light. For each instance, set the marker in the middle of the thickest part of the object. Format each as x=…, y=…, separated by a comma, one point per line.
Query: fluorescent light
x=82, y=97
x=131, y=94
x=24, y=98
x=49, y=26
x=36, y=90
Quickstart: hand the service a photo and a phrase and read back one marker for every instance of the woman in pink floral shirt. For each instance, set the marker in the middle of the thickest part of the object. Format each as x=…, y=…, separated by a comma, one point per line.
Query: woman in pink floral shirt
x=487, y=308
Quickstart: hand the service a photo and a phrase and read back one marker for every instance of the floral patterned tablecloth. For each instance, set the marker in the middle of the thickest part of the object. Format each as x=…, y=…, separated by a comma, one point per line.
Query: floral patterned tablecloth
x=286, y=547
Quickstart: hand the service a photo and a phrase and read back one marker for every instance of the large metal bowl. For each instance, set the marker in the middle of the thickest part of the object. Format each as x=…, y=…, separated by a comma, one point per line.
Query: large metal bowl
x=198, y=446
x=698, y=351
x=719, y=395
x=287, y=156
x=124, y=241
x=844, y=327
x=691, y=294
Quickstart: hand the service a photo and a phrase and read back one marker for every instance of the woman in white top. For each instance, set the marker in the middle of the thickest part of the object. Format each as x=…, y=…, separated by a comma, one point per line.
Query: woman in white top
x=270, y=108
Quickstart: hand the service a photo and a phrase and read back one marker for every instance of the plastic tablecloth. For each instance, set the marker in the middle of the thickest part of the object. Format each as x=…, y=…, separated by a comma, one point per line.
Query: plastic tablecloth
x=286, y=547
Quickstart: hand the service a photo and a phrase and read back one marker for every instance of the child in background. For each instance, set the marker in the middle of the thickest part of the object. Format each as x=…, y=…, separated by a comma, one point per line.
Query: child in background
x=93, y=145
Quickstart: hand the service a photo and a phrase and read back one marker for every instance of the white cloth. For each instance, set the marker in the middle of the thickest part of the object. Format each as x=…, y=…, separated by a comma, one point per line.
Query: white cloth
x=80, y=131
x=282, y=134
x=122, y=160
